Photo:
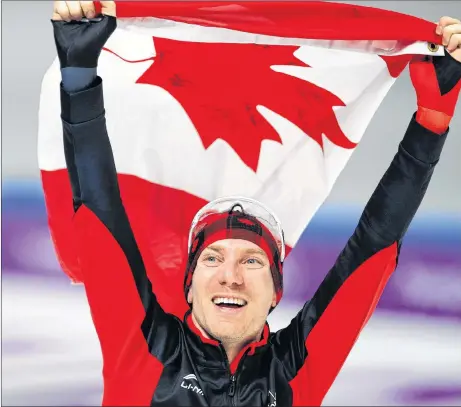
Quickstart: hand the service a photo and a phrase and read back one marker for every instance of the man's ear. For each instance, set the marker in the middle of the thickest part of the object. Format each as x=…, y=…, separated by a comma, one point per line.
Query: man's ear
x=274, y=299
x=189, y=295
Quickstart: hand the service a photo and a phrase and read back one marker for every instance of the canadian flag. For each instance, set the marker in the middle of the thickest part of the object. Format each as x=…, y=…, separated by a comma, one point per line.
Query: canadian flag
x=206, y=99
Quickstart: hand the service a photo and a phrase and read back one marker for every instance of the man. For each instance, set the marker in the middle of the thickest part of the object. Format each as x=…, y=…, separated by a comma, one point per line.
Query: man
x=223, y=353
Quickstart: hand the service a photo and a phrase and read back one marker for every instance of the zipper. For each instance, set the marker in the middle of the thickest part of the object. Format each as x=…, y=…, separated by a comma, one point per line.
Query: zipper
x=232, y=377
x=231, y=391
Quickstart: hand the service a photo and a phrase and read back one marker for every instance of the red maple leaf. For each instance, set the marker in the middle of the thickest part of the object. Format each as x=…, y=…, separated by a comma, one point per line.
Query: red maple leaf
x=220, y=85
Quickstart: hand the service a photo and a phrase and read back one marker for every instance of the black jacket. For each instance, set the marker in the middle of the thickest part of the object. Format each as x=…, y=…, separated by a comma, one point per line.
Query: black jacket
x=153, y=358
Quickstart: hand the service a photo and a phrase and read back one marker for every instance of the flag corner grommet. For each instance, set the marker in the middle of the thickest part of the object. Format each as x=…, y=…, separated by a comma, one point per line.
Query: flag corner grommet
x=432, y=47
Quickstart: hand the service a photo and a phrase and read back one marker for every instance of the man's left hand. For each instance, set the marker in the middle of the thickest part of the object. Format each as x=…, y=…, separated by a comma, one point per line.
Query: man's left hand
x=450, y=30
x=437, y=80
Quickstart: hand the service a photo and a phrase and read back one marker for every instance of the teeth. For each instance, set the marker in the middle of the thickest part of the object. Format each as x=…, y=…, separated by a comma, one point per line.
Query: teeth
x=222, y=300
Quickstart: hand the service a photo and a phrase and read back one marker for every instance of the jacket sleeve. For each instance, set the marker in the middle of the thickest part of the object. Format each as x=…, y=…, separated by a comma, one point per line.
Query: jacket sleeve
x=318, y=340
x=129, y=322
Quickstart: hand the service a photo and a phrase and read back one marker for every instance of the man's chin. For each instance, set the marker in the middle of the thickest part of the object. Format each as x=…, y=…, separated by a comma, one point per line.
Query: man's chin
x=227, y=330
x=228, y=335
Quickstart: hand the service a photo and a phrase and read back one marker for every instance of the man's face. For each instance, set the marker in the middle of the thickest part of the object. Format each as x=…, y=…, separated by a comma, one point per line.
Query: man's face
x=232, y=290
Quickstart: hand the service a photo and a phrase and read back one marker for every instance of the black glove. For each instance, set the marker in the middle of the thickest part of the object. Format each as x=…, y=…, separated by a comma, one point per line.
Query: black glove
x=79, y=43
x=448, y=72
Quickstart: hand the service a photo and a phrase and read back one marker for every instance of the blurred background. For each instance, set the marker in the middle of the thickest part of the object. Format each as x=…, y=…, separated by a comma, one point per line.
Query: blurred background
x=410, y=352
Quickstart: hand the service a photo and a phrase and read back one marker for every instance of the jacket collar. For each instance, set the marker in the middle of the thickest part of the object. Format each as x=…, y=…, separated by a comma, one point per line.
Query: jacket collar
x=213, y=349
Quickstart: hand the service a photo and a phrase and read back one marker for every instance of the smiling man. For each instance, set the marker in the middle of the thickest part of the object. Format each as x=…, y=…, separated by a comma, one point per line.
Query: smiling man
x=232, y=315
x=223, y=352
x=234, y=277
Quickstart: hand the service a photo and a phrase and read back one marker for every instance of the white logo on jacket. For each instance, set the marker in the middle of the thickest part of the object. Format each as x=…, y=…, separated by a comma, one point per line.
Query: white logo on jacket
x=191, y=386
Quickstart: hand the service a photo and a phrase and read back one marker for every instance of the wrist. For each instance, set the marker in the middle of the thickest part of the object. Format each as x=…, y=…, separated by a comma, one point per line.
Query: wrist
x=435, y=121
x=77, y=79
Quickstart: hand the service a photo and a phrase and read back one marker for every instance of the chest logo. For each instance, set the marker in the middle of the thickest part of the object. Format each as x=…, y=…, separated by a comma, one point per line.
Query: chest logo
x=190, y=382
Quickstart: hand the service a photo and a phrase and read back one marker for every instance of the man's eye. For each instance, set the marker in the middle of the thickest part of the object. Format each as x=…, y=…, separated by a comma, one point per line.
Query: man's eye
x=210, y=260
x=252, y=261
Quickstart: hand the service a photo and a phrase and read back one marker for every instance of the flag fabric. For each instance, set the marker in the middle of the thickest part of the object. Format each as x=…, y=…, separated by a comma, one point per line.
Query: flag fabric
x=205, y=99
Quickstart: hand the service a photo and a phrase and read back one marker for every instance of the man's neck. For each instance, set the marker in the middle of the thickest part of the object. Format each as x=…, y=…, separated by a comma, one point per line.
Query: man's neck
x=232, y=348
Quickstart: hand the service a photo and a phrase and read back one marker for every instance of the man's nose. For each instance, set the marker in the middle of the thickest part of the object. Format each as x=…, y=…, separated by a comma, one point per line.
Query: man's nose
x=230, y=274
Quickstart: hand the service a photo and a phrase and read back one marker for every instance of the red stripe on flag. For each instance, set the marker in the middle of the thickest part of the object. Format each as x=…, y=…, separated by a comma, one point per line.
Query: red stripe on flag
x=292, y=19
x=160, y=218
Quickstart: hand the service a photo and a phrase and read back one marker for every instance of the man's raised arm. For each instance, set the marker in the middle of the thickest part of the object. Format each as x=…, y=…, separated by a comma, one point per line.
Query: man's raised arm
x=124, y=309
x=321, y=336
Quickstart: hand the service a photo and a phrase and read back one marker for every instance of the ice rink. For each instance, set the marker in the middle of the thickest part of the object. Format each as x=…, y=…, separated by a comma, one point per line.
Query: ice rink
x=51, y=353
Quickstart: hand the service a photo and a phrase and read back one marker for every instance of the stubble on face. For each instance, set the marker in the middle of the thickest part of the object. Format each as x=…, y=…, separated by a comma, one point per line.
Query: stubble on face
x=217, y=276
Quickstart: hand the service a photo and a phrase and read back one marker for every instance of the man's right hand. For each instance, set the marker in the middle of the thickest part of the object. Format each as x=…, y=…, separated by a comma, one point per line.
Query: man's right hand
x=76, y=10
x=79, y=42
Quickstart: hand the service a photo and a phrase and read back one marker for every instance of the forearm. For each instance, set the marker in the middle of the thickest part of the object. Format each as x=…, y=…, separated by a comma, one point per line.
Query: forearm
x=401, y=190
x=74, y=80
x=90, y=159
